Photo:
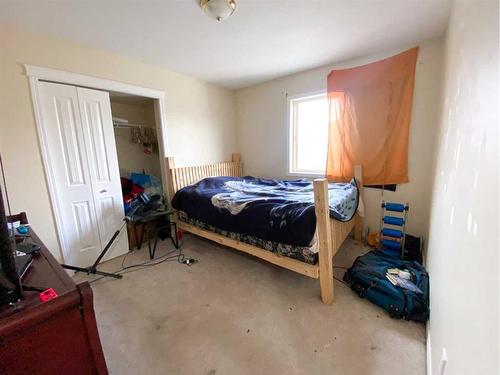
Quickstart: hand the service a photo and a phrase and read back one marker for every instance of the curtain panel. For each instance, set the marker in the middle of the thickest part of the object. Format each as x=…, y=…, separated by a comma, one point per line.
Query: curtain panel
x=370, y=110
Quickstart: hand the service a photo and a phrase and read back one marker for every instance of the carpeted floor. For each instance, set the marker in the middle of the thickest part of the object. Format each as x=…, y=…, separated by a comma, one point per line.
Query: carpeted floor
x=234, y=314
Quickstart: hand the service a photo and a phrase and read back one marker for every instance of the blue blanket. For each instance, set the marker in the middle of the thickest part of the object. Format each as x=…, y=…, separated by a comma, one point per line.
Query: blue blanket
x=273, y=210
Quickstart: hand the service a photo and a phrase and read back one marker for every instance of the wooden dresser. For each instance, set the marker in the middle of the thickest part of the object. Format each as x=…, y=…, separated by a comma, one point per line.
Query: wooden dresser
x=56, y=337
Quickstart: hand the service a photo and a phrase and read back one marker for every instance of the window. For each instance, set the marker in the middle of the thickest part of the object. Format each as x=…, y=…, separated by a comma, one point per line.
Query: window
x=308, y=129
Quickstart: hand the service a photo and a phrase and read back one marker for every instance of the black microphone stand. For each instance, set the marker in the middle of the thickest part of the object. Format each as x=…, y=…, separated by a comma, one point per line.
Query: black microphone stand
x=141, y=201
x=93, y=268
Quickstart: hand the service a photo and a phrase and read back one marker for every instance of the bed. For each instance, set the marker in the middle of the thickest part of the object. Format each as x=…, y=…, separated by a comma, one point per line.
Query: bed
x=197, y=185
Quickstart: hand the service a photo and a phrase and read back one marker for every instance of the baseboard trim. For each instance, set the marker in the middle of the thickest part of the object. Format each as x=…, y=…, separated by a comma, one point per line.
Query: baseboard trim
x=428, y=351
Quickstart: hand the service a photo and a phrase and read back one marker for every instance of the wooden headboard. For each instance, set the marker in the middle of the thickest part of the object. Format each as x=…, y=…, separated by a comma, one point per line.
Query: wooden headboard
x=183, y=176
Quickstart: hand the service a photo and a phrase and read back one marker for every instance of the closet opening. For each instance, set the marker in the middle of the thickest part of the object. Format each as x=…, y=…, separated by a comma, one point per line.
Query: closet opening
x=85, y=155
x=138, y=152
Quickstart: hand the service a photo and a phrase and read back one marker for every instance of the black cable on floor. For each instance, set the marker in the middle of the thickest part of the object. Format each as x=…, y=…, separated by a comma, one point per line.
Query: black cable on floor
x=153, y=262
x=180, y=257
x=168, y=257
x=342, y=281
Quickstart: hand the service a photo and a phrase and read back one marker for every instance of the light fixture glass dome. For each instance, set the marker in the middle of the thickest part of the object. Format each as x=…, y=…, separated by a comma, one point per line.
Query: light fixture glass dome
x=218, y=9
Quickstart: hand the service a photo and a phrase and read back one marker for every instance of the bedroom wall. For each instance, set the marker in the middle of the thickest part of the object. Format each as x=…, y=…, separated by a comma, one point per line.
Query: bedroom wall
x=200, y=116
x=463, y=259
x=262, y=130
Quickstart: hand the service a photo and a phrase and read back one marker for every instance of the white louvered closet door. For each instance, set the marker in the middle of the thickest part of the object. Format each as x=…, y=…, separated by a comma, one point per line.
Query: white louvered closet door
x=83, y=169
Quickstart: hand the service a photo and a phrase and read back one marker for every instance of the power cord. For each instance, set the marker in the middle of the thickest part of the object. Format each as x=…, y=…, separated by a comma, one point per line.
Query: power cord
x=173, y=255
x=181, y=258
x=340, y=280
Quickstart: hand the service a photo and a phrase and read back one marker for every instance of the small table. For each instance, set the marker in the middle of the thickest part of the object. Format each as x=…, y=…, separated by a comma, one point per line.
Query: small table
x=153, y=216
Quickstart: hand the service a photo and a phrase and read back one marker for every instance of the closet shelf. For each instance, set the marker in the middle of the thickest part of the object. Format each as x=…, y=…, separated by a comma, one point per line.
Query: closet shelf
x=119, y=125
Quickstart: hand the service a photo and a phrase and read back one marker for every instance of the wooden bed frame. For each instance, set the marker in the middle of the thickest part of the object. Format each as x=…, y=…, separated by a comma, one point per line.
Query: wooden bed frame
x=331, y=233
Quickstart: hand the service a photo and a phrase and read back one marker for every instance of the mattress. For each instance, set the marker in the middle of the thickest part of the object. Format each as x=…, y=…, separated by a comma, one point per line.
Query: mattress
x=306, y=254
x=272, y=213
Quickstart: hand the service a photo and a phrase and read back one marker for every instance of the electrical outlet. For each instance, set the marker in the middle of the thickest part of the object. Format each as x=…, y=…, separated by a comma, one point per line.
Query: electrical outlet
x=444, y=361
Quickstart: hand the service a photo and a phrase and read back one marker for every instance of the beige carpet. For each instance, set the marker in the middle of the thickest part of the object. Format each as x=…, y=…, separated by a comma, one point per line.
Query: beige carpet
x=234, y=314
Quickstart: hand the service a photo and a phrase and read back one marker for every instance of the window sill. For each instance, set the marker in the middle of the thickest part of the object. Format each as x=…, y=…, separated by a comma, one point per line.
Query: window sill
x=306, y=174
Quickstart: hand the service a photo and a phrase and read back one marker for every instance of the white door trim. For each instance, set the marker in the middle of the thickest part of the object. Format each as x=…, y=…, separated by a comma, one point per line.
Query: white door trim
x=60, y=76
x=36, y=74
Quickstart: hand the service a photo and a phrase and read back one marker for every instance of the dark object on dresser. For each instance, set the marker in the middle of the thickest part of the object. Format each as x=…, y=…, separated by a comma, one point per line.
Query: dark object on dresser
x=58, y=336
x=10, y=288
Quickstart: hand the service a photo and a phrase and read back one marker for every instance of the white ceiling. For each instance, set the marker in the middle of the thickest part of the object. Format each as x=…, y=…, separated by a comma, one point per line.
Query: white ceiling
x=261, y=41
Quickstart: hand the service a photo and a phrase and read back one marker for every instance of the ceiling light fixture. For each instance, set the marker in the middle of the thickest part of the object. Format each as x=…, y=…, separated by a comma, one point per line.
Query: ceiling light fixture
x=218, y=9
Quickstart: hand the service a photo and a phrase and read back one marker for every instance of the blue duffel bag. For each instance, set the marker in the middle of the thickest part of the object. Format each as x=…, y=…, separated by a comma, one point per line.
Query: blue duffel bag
x=367, y=277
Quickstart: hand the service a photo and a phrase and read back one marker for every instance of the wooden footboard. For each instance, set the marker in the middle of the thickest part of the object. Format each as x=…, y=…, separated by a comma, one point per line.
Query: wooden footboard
x=331, y=233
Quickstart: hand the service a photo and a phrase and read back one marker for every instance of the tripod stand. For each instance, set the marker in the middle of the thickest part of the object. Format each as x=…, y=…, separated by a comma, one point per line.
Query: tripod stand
x=142, y=202
x=93, y=268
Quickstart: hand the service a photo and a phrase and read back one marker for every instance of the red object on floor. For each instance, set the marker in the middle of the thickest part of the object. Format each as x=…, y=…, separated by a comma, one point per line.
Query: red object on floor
x=47, y=295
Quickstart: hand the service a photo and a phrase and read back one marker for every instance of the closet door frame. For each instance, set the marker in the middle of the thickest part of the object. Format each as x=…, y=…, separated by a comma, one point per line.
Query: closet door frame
x=36, y=74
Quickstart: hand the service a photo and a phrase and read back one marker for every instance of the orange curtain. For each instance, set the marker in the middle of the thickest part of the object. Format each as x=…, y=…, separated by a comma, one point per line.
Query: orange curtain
x=370, y=111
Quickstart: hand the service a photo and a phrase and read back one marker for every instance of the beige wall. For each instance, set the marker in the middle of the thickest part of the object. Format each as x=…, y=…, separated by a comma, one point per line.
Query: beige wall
x=131, y=156
x=463, y=244
x=262, y=130
x=200, y=116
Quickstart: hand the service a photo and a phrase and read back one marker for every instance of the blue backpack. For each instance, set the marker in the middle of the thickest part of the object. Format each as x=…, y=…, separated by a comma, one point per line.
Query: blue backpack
x=367, y=278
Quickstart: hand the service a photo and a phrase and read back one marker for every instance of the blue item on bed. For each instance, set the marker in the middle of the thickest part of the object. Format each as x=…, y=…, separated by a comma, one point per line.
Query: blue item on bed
x=274, y=210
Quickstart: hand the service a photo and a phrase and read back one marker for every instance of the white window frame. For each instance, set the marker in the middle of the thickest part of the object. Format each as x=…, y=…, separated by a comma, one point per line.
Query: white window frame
x=292, y=130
